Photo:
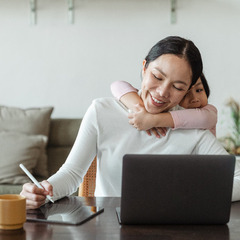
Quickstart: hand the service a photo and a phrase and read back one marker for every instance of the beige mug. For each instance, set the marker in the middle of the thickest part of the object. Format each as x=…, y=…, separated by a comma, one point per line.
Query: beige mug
x=12, y=211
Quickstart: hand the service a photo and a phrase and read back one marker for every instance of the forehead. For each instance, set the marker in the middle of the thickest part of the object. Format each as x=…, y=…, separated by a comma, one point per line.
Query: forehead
x=197, y=84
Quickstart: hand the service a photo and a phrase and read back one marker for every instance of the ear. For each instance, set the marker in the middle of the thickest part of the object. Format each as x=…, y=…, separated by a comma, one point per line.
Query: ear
x=144, y=68
x=144, y=65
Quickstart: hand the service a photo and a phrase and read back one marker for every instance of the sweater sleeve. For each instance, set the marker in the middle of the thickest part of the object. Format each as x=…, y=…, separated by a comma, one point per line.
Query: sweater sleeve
x=208, y=144
x=236, y=182
x=120, y=88
x=70, y=175
x=202, y=118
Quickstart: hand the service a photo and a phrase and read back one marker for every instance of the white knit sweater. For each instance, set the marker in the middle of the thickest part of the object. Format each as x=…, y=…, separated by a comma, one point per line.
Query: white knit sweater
x=105, y=132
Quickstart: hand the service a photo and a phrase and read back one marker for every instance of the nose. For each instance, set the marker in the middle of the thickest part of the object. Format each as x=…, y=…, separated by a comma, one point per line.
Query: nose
x=193, y=97
x=164, y=90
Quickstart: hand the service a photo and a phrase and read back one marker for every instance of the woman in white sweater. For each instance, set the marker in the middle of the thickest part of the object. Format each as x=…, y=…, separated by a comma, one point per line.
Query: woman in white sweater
x=171, y=67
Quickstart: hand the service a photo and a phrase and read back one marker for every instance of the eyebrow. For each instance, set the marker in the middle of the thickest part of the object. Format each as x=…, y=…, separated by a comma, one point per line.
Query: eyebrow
x=195, y=85
x=200, y=83
x=177, y=81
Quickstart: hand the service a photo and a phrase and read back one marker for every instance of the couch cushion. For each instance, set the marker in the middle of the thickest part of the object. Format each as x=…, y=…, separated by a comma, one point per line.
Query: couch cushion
x=10, y=188
x=32, y=121
x=19, y=148
x=63, y=131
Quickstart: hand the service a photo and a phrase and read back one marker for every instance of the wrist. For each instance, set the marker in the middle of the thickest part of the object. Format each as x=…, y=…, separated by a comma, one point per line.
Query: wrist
x=149, y=120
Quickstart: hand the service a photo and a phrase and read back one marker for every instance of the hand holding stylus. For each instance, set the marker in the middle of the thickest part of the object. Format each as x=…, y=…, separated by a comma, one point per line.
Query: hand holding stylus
x=34, y=180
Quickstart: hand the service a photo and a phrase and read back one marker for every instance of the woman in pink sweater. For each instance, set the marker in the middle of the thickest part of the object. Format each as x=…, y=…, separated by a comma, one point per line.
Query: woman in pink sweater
x=193, y=112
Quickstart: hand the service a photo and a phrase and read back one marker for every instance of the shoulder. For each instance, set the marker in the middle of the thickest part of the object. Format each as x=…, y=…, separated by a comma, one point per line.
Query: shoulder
x=207, y=138
x=201, y=141
x=194, y=135
x=209, y=144
x=108, y=106
x=105, y=102
x=99, y=105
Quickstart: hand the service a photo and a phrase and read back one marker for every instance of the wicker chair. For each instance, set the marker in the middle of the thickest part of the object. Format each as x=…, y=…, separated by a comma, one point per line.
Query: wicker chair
x=87, y=187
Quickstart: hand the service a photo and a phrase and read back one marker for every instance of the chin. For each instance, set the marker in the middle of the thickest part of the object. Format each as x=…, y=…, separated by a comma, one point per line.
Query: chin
x=194, y=106
x=153, y=109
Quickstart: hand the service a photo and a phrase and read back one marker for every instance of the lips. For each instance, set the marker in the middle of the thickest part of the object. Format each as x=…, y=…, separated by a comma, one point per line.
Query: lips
x=157, y=102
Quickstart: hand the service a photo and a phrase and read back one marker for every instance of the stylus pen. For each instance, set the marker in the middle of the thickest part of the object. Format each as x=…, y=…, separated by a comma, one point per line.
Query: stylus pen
x=34, y=180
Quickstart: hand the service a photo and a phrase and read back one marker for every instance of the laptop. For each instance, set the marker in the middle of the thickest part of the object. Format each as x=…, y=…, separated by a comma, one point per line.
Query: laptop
x=176, y=189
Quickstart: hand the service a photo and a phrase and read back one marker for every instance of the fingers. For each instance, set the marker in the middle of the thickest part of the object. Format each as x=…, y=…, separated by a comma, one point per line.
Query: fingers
x=149, y=132
x=30, y=204
x=131, y=120
x=162, y=131
x=35, y=197
x=48, y=187
x=157, y=132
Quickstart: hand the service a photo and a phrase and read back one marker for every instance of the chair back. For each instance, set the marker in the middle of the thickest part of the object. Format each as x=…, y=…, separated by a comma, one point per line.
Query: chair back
x=87, y=187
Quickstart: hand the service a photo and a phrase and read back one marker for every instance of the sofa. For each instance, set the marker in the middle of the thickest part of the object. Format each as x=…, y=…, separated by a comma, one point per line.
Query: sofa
x=57, y=139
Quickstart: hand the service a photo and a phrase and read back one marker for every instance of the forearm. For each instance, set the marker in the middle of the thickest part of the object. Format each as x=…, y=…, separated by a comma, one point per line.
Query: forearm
x=70, y=175
x=202, y=118
x=162, y=120
x=130, y=100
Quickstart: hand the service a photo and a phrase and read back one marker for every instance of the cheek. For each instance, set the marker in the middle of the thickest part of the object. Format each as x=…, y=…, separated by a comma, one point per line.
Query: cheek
x=143, y=87
x=177, y=98
x=184, y=103
x=204, y=101
x=146, y=82
x=146, y=86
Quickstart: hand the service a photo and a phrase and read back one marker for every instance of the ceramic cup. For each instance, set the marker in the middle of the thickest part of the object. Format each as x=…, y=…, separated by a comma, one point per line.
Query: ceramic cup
x=12, y=211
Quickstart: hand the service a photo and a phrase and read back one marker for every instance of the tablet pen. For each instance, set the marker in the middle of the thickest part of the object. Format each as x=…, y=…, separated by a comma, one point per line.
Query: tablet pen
x=34, y=180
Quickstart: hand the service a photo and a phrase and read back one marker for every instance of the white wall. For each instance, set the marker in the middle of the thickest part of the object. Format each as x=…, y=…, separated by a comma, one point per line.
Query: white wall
x=66, y=66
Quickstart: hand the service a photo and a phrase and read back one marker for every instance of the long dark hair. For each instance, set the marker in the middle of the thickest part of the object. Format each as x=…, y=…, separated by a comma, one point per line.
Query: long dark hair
x=205, y=84
x=181, y=47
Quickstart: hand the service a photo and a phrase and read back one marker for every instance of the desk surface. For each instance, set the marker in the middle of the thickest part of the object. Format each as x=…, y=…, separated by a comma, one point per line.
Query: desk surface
x=105, y=226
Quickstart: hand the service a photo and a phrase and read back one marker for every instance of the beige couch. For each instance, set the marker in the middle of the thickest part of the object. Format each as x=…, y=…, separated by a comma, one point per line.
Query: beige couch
x=62, y=134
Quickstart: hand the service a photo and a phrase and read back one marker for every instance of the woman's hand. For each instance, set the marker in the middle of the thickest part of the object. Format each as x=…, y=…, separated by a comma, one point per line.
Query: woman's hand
x=35, y=197
x=142, y=120
x=158, y=132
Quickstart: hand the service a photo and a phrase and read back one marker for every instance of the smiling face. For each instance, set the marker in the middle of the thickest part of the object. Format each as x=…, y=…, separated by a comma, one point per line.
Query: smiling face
x=196, y=97
x=165, y=82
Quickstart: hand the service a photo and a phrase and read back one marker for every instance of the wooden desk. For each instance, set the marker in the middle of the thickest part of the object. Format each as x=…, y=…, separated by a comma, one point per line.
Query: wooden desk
x=105, y=226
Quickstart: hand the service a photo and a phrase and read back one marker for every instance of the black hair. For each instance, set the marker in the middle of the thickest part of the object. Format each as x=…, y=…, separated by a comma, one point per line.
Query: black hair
x=181, y=47
x=205, y=84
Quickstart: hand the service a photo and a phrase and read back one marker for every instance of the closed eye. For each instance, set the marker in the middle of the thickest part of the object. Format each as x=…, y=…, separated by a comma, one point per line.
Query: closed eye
x=179, y=89
x=157, y=77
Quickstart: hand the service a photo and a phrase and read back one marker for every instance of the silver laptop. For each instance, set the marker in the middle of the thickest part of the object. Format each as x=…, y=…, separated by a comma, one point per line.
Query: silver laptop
x=176, y=189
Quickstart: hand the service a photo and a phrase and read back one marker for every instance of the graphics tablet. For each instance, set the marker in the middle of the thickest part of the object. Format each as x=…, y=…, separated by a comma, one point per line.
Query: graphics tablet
x=69, y=210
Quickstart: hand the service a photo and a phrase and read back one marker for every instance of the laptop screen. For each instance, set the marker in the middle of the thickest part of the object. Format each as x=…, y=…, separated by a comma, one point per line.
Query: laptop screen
x=176, y=189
